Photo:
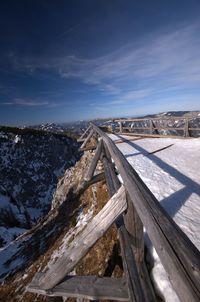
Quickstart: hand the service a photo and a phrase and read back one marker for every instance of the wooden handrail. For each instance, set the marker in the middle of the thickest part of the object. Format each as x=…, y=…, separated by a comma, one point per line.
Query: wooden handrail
x=178, y=254
x=137, y=204
x=153, y=127
x=166, y=118
x=130, y=230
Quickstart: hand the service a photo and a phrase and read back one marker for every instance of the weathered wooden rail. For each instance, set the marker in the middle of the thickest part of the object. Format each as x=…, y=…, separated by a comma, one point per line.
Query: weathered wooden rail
x=131, y=207
x=155, y=126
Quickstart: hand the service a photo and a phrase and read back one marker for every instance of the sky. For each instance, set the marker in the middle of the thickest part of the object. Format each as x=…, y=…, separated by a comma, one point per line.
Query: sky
x=68, y=60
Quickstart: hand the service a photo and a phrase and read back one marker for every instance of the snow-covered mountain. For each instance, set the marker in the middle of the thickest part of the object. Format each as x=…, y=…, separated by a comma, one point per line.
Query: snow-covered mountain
x=73, y=129
x=30, y=163
x=47, y=235
x=51, y=127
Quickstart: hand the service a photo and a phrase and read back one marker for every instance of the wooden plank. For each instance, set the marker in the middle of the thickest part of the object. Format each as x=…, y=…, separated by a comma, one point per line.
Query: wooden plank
x=94, y=162
x=120, y=127
x=151, y=135
x=134, y=227
x=84, y=133
x=135, y=289
x=108, y=176
x=169, y=128
x=87, y=139
x=134, y=285
x=150, y=126
x=80, y=140
x=132, y=236
x=87, y=287
x=178, y=254
x=85, y=240
x=156, y=118
x=136, y=128
x=146, y=283
x=156, y=128
x=89, y=148
x=97, y=178
x=186, y=129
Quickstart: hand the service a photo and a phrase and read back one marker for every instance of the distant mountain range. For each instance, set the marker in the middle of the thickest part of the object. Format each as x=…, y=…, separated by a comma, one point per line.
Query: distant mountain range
x=75, y=129
x=78, y=127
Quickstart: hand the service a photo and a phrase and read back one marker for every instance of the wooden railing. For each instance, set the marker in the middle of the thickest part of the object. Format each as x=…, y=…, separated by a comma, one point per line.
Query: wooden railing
x=132, y=206
x=156, y=126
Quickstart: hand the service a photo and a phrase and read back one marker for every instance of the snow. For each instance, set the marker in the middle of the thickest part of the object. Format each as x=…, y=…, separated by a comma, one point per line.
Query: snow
x=9, y=234
x=3, y=135
x=170, y=167
x=60, y=171
x=4, y=201
x=17, y=139
x=7, y=253
x=34, y=213
x=81, y=221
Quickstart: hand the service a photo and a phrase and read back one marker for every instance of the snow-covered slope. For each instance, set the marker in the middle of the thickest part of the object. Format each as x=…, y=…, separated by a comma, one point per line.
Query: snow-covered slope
x=30, y=163
x=171, y=169
x=25, y=249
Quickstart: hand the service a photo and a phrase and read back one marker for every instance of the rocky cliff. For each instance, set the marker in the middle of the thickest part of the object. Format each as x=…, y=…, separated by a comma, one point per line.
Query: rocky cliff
x=31, y=163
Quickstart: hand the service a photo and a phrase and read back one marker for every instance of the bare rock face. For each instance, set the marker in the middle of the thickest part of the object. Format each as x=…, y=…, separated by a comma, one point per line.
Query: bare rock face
x=16, y=256
x=31, y=162
x=72, y=180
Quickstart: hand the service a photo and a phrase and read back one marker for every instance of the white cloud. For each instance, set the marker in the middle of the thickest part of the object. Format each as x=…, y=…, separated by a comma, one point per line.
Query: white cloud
x=133, y=95
x=160, y=61
x=29, y=103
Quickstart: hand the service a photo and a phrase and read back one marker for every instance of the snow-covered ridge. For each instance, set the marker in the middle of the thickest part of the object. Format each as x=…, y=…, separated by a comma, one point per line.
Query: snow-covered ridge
x=30, y=163
x=16, y=255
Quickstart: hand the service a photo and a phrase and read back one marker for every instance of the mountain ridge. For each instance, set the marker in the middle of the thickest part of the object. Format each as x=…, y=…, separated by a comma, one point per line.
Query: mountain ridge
x=31, y=163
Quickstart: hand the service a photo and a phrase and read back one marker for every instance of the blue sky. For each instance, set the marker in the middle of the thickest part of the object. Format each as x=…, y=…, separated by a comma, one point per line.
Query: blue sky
x=67, y=60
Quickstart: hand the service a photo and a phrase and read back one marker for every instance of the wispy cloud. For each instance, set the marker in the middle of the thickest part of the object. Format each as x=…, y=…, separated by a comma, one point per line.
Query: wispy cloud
x=158, y=62
x=132, y=95
x=28, y=103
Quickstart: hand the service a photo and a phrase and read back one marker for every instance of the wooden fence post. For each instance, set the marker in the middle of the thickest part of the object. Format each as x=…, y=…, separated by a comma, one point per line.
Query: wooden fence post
x=88, y=128
x=134, y=286
x=120, y=127
x=186, y=131
x=151, y=127
x=131, y=235
x=87, y=139
x=94, y=162
x=134, y=227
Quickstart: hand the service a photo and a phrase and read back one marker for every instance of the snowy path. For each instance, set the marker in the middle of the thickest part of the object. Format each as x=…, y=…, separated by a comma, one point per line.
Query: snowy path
x=172, y=173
